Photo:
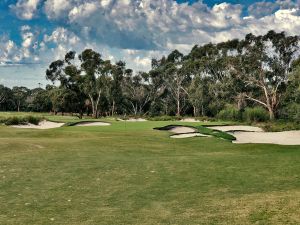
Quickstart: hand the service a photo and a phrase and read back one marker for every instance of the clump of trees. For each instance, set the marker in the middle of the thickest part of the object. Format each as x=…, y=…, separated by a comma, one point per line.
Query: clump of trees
x=233, y=79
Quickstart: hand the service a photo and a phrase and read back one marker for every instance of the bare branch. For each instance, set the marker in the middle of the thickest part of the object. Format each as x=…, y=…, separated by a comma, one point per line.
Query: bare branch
x=256, y=100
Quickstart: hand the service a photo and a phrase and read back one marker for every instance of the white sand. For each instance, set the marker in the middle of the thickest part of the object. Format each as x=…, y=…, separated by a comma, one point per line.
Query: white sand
x=237, y=128
x=189, y=120
x=133, y=120
x=188, y=135
x=43, y=125
x=182, y=130
x=280, y=138
x=136, y=120
x=185, y=132
x=90, y=124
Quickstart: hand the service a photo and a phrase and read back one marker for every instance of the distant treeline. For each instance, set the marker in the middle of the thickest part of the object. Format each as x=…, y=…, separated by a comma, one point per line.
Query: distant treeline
x=258, y=76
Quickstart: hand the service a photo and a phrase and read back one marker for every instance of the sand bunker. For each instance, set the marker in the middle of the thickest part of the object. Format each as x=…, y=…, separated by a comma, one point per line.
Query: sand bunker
x=237, y=128
x=182, y=130
x=250, y=134
x=189, y=120
x=133, y=120
x=90, y=124
x=136, y=120
x=43, y=125
x=280, y=138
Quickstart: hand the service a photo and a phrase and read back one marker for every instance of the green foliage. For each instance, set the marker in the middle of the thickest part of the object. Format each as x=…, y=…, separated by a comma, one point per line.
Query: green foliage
x=256, y=114
x=33, y=120
x=14, y=121
x=292, y=112
x=215, y=133
x=230, y=113
x=280, y=126
x=20, y=120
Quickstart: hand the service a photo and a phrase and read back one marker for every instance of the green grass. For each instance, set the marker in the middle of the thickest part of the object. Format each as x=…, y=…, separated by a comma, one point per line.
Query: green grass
x=215, y=133
x=129, y=173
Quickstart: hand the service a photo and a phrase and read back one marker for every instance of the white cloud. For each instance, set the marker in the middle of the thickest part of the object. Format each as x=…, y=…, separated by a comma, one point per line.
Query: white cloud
x=57, y=8
x=138, y=30
x=25, y=9
x=139, y=24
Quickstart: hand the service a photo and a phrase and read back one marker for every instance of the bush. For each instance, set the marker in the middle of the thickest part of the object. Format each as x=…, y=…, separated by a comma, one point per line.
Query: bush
x=230, y=113
x=33, y=120
x=292, y=112
x=280, y=126
x=14, y=120
x=256, y=114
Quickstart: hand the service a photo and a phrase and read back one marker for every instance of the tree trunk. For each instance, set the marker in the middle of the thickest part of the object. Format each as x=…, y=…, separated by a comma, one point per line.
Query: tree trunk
x=271, y=114
x=196, y=111
x=178, y=108
x=178, y=101
x=113, y=108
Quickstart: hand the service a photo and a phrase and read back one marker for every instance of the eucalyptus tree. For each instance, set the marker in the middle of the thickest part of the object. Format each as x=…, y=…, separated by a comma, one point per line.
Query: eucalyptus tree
x=39, y=100
x=263, y=65
x=175, y=79
x=209, y=64
x=115, y=94
x=93, y=74
x=3, y=95
x=68, y=75
x=19, y=96
x=137, y=92
x=84, y=77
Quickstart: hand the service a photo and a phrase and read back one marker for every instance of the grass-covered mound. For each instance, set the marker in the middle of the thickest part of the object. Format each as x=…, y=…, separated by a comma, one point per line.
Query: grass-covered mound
x=202, y=130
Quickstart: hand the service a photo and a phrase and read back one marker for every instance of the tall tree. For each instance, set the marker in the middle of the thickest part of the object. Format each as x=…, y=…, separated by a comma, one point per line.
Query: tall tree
x=137, y=92
x=20, y=94
x=264, y=65
x=93, y=71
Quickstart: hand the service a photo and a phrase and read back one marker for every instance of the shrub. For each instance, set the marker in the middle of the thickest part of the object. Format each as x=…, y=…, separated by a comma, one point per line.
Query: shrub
x=256, y=114
x=14, y=121
x=292, y=112
x=229, y=113
x=33, y=120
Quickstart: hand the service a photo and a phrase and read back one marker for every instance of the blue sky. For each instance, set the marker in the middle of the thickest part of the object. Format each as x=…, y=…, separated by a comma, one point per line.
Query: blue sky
x=35, y=32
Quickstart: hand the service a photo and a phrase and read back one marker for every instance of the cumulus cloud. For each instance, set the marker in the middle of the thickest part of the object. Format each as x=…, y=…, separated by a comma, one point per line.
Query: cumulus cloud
x=262, y=9
x=57, y=8
x=140, y=24
x=138, y=30
x=26, y=52
x=25, y=9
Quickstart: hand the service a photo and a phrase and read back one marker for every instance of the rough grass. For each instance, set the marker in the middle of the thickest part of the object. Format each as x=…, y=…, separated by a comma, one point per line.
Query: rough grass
x=129, y=173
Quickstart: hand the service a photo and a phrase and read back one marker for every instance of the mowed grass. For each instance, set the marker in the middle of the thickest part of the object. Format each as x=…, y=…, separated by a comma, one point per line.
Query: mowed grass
x=129, y=173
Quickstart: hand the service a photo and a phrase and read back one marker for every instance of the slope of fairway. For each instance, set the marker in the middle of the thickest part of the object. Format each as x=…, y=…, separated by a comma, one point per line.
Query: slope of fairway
x=128, y=173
